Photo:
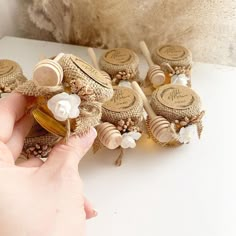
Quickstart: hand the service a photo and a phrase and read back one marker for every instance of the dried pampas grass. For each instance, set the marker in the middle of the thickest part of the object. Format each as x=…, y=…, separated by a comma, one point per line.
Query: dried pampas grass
x=112, y=23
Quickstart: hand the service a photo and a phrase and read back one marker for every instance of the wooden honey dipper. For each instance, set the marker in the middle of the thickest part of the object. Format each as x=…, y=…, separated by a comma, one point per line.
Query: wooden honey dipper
x=159, y=126
x=48, y=72
x=155, y=74
x=108, y=135
x=95, y=63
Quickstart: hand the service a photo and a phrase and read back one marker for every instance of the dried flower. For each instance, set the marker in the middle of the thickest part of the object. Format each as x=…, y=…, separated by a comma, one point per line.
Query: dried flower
x=123, y=75
x=180, y=79
x=186, y=133
x=127, y=125
x=128, y=139
x=64, y=106
x=124, y=83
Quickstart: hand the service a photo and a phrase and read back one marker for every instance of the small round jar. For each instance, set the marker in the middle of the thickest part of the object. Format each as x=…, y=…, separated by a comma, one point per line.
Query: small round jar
x=175, y=102
x=125, y=104
x=174, y=60
x=11, y=76
x=120, y=64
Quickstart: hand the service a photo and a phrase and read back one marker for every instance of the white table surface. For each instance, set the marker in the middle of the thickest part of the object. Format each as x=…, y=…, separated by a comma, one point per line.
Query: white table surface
x=184, y=191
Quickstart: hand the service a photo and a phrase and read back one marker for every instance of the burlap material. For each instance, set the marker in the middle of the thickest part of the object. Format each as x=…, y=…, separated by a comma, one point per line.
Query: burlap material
x=11, y=75
x=29, y=88
x=125, y=103
x=79, y=78
x=90, y=115
x=118, y=60
x=175, y=102
x=76, y=69
x=48, y=139
x=174, y=55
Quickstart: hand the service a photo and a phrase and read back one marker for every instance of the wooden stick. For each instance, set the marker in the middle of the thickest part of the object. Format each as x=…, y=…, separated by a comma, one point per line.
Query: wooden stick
x=93, y=58
x=146, y=104
x=146, y=53
x=58, y=57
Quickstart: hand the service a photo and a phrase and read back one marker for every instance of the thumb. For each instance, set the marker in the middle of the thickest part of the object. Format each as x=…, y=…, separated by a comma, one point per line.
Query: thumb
x=71, y=152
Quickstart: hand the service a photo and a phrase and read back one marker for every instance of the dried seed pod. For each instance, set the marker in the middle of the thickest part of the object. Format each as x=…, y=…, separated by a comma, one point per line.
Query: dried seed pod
x=108, y=135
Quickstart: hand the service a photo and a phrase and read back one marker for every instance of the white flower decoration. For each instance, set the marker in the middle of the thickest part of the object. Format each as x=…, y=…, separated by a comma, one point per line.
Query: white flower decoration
x=187, y=133
x=124, y=83
x=180, y=79
x=64, y=106
x=128, y=139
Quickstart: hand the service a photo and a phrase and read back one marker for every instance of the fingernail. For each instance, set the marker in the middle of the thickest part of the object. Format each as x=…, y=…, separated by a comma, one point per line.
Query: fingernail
x=93, y=132
x=95, y=213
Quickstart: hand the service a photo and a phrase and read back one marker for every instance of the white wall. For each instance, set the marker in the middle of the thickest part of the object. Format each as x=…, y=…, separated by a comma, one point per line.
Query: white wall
x=7, y=17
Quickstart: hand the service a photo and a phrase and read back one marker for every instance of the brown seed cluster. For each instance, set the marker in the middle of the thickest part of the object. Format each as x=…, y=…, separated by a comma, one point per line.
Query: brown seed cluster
x=127, y=126
x=180, y=70
x=38, y=151
x=123, y=75
x=188, y=121
x=84, y=92
x=6, y=88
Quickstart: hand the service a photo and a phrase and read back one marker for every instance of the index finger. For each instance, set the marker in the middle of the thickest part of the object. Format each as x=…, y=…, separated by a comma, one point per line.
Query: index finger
x=12, y=108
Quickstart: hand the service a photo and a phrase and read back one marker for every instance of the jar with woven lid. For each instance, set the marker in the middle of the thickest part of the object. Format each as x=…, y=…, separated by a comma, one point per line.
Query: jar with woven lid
x=71, y=105
x=121, y=119
x=176, y=62
x=181, y=106
x=121, y=64
x=124, y=104
x=11, y=76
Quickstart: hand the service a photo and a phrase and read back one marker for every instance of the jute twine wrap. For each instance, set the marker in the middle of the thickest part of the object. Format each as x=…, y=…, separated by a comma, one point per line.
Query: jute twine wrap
x=29, y=88
x=11, y=75
x=48, y=139
x=125, y=103
x=174, y=55
x=76, y=69
x=175, y=102
x=118, y=60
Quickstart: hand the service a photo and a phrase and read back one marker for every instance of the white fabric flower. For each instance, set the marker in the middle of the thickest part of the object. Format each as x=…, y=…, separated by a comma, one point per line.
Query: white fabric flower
x=187, y=133
x=64, y=106
x=128, y=139
x=180, y=79
x=124, y=83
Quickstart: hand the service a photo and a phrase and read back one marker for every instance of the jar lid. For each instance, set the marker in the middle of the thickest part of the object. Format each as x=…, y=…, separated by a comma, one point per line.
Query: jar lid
x=125, y=103
x=175, y=102
x=10, y=75
x=75, y=68
x=174, y=55
x=119, y=59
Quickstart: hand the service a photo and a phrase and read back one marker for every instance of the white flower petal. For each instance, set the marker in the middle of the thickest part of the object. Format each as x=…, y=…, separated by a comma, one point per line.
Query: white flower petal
x=187, y=133
x=75, y=100
x=127, y=142
x=74, y=113
x=124, y=83
x=135, y=135
x=181, y=79
x=64, y=106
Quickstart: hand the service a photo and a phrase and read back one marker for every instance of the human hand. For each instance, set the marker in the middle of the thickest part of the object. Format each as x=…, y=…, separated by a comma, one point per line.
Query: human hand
x=38, y=198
